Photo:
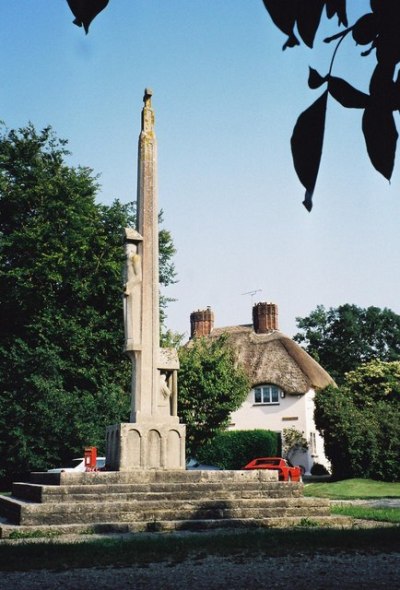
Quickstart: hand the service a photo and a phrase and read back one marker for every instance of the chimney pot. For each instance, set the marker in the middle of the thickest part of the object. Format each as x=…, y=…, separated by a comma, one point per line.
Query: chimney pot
x=265, y=317
x=201, y=322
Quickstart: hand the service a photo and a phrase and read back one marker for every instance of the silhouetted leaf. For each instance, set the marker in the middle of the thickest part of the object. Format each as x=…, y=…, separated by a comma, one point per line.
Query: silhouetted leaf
x=365, y=29
x=380, y=137
x=85, y=11
x=291, y=41
x=315, y=80
x=337, y=7
x=306, y=142
x=308, y=18
x=397, y=93
x=283, y=14
x=382, y=88
x=346, y=94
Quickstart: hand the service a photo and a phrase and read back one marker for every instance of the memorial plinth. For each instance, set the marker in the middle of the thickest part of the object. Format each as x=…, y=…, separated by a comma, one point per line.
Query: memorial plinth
x=154, y=438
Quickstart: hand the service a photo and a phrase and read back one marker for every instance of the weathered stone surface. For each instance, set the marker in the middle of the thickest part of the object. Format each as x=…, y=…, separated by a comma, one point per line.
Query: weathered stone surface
x=153, y=439
x=159, y=500
x=148, y=445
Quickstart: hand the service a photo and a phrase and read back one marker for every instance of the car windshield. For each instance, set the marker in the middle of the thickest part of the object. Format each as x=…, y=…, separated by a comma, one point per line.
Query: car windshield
x=267, y=462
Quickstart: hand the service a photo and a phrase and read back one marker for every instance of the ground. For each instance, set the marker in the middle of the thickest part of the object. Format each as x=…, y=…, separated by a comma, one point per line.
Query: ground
x=319, y=571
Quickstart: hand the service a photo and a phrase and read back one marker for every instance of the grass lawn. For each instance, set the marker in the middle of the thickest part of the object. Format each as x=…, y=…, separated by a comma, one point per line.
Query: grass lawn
x=358, y=489
x=351, y=489
x=368, y=512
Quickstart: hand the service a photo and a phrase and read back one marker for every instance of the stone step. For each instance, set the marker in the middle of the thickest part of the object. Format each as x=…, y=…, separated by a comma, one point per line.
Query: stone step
x=8, y=531
x=29, y=513
x=152, y=476
x=159, y=500
x=128, y=492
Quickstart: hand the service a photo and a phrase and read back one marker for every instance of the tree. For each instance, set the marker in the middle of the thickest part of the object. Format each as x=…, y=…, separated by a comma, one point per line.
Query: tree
x=360, y=422
x=167, y=276
x=344, y=337
x=211, y=386
x=63, y=376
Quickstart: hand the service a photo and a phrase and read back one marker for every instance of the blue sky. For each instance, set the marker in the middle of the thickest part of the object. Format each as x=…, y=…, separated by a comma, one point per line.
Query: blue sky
x=226, y=99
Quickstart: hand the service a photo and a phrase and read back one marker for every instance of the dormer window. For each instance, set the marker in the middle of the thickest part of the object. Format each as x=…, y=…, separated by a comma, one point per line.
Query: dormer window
x=267, y=395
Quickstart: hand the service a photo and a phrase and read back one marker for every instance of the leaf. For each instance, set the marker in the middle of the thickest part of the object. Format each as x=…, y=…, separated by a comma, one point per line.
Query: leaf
x=337, y=7
x=291, y=41
x=283, y=14
x=380, y=137
x=85, y=11
x=306, y=143
x=308, y=18
x=365, y=29
x=381, y=86
x=346, y=94
x=315, y=80
x=396, y=95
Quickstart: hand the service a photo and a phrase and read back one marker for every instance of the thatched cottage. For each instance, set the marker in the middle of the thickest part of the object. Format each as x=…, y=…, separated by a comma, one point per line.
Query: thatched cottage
x=284, y=378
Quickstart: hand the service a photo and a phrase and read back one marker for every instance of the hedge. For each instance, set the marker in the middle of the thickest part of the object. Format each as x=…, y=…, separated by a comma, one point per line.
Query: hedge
x=233, y=449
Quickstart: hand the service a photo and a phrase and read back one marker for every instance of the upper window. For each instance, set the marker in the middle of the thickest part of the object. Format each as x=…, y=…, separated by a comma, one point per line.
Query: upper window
x=267, y=394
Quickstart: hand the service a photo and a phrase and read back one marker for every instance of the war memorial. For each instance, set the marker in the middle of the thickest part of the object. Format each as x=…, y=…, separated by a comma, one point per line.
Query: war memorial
x=146, y=486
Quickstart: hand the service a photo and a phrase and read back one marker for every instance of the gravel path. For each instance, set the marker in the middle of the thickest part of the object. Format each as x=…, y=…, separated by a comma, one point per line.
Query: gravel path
x=317, y=572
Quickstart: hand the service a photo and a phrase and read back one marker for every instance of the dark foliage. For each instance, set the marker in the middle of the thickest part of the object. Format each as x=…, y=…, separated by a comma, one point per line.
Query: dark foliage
x=300, y=19
x=378, y=29
x=234, y=449
x=343, y=338
x=63, y=376
x=85, y=11
x=360, y=422
x=211, y=386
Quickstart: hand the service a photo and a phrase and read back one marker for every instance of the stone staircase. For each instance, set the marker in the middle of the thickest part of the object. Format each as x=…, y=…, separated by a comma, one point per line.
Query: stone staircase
x=56, y=503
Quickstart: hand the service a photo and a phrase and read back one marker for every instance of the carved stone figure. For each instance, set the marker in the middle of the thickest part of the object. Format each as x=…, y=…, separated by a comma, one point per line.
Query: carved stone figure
x=132, y=290
x=164, y=401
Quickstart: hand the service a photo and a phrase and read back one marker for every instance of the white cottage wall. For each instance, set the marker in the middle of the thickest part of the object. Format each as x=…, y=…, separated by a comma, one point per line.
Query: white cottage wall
x=292, y=411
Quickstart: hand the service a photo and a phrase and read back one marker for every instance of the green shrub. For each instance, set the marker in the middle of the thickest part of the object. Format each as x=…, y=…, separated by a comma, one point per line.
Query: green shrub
x=360, y=422
x=233, y=449
x=318, y=469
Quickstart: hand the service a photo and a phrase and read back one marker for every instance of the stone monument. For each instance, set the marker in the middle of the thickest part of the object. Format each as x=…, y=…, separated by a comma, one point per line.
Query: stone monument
x=153, y=439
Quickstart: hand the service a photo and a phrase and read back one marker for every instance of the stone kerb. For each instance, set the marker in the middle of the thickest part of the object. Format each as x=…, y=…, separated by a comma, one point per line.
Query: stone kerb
x=152, y=476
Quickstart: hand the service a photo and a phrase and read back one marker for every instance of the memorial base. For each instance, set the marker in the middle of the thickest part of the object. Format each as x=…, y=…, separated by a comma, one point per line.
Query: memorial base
x=135, y=446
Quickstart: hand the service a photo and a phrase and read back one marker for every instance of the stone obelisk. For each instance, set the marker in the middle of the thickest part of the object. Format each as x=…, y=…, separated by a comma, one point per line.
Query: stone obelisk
x=153, y=439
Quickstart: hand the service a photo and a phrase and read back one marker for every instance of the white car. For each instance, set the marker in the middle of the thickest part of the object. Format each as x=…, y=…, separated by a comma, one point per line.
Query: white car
x=78, y=465
x=193, y=464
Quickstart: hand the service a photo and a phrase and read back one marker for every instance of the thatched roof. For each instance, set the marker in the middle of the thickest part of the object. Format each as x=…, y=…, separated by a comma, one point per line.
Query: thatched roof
x=275, y=358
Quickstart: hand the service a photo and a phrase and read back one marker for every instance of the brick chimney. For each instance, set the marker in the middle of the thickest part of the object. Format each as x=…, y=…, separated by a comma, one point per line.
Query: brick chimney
x=201, y=323
x=265, y=317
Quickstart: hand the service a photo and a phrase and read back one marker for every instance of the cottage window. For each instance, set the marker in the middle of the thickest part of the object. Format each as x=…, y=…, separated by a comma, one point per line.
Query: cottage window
x=266, y=394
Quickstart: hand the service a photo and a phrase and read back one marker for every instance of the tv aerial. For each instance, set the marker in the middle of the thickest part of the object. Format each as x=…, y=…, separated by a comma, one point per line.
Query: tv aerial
x=252, y=293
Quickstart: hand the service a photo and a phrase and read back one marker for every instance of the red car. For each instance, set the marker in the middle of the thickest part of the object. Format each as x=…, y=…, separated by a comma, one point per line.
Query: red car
x=285, y=471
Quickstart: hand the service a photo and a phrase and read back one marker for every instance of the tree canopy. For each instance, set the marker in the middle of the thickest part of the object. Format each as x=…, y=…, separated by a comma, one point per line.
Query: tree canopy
x=360, y=422
x=343, y=338
x=63, y=376
x=211, y=386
